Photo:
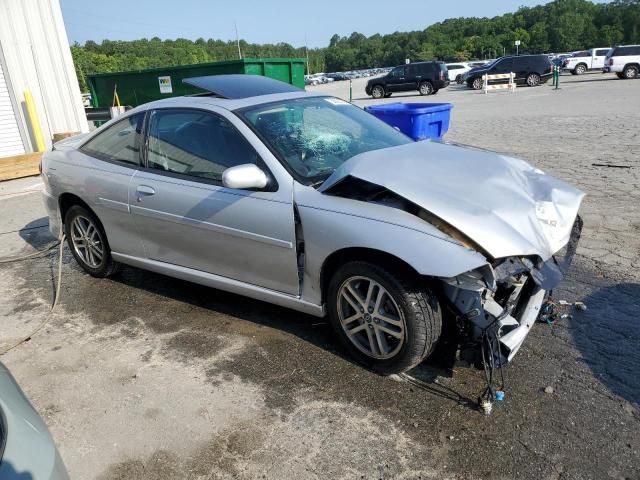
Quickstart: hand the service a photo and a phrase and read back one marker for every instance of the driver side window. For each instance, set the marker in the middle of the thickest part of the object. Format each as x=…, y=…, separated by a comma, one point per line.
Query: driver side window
x=397, y=72
x=196, y=144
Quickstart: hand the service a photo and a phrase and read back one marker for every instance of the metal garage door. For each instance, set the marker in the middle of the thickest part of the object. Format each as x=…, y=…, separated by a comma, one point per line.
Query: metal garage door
x=10, y=140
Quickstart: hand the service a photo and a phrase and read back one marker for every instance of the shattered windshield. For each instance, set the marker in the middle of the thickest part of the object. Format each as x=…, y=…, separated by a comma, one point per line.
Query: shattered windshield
x=314, y=136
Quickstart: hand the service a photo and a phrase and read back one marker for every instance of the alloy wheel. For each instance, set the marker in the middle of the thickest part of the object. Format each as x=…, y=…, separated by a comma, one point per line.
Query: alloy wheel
x=533, y=80
x=426, y=88
x=370, y=317
x=87, y=241
x=378, y=92
x=631, y=72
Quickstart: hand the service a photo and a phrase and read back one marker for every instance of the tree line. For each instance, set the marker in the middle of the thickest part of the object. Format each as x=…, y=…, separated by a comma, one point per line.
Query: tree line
x=558, y=26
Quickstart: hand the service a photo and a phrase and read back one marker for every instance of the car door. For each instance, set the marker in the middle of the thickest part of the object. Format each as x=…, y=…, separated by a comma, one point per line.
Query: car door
x=396, y=79
x=521, y=67
x=598, y=57
x=103, y=169
x=185, y=215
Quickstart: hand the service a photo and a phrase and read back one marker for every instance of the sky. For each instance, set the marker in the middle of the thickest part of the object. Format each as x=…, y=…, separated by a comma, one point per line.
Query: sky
x=292, y=21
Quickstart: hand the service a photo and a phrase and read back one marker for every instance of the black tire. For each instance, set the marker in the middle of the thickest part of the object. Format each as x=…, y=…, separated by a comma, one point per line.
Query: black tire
x=476, y=83
x=620, y=75
x=630, y=71
x=458, y=79
x=533, y=80
x=425, y=88
x=420, y=312
x=106, y=266
x=377, y=91
x=580, y=69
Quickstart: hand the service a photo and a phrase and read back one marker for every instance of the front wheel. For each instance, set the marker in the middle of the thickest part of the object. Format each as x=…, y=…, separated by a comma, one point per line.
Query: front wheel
x=580, y=69
x=88, y=242
x=630, y=72
x=425, y=88
x=387, y=320
x=377, y=91
x=533, y=80
x=477, y=83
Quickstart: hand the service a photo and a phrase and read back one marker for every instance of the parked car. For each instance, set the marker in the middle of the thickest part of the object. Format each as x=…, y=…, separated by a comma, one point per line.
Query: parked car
x=624, y=61
x=457, y=70
x=311, y=203
x=582, y=62
x=424, y=77
x=531, y=70
x=27, y=450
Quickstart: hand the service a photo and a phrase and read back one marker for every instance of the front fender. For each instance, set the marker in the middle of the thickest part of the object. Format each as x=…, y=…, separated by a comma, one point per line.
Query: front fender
x=330, y=224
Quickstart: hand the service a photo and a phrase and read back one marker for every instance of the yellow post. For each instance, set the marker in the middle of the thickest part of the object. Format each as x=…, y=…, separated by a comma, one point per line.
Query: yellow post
x=33, y=120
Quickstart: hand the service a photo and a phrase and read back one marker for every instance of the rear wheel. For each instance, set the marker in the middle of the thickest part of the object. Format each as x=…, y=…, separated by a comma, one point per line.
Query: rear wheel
x=88, y=242
x=580, y=69
x=377, y=91
x=425, y=88
x=385, y=319
x=459, y=78
x=476, y=84
x=533, y=80
x=630, y=71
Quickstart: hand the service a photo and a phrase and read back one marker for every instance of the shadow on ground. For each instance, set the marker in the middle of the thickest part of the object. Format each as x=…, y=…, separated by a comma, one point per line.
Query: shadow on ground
x=36, y=233
x=608, y=338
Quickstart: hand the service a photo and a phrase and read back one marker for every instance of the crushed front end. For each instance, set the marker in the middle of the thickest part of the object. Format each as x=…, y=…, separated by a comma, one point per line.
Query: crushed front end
x=499, y=303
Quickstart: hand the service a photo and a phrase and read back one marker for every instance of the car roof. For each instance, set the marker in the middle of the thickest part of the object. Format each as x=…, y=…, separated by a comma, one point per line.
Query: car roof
x=205, y=101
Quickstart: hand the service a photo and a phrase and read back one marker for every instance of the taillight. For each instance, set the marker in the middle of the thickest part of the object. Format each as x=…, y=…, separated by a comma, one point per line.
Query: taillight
x=610, y=61
x=441, y=75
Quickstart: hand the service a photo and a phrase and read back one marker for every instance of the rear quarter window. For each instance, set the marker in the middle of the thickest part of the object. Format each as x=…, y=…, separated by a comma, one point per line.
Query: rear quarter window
x=601, y=52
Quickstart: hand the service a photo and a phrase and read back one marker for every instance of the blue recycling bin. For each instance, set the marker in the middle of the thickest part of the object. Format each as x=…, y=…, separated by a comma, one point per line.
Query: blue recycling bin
x=417, y=120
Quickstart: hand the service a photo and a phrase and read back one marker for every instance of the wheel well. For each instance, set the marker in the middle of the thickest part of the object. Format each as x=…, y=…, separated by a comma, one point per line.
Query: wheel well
x=637, y=65
x=68, y=200
x=340, y=257
x=581, y=63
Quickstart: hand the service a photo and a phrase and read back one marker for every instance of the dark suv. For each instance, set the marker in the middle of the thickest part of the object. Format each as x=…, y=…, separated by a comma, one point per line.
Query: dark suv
x=529, y=70
x=425, y=77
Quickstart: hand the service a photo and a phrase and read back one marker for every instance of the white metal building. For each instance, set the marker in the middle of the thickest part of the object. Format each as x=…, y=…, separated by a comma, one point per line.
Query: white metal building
x=35, y=56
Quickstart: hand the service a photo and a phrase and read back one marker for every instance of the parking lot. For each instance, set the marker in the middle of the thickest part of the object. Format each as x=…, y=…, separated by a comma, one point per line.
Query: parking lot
x=148, y=377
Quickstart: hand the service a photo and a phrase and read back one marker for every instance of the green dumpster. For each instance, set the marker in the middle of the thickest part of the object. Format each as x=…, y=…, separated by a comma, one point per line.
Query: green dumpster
x=142, y=86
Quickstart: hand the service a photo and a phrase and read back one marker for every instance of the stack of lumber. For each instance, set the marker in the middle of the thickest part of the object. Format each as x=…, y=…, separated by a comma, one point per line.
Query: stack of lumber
x=19, y=166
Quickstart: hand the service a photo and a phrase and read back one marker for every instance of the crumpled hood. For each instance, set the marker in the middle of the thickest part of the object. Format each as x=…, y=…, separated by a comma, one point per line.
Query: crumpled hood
x=503, y=204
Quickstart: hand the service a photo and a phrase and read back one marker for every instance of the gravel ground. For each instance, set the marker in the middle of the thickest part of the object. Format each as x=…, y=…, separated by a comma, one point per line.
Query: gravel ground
x=146, y=377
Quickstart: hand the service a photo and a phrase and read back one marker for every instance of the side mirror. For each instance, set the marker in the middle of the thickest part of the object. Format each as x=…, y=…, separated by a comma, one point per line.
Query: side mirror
x=245, y=177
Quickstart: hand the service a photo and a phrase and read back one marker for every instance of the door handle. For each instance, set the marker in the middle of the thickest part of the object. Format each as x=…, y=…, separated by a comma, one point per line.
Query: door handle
x=144, y=191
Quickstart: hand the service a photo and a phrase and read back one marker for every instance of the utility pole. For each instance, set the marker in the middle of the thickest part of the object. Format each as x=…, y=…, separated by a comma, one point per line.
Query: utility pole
x=238, y=40
x=306, y=51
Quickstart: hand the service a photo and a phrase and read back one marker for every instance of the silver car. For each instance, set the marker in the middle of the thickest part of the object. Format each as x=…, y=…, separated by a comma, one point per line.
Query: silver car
x=27, y=450
x=306, y=201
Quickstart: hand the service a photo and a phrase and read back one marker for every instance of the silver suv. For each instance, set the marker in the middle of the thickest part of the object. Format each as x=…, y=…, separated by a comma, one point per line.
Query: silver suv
x=309, y=202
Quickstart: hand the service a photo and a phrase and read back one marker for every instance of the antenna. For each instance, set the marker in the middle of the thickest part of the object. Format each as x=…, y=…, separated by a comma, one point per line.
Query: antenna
x=238, y=40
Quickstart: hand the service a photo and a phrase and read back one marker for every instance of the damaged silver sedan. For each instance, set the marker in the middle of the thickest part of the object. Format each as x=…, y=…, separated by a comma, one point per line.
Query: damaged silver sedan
x=308, y=202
